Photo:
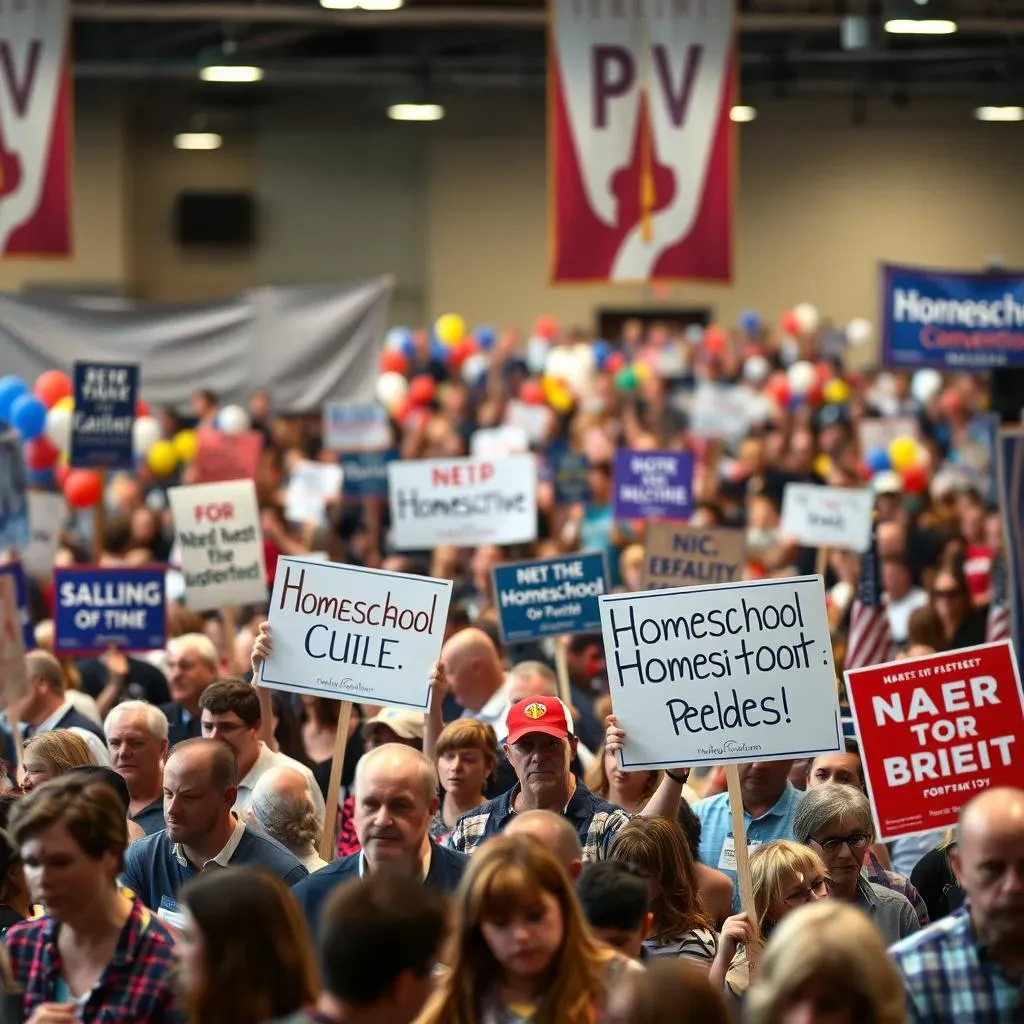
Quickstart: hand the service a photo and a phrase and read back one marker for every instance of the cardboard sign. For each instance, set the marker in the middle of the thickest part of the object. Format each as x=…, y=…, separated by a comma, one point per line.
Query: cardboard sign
x=572, y=478
x=550, y=597
x=366, y=474
x=355, y=634
x=226, y=456
x=104, y=416
x=878, y=434
x=936, y=730
x=220, y=544
x=724, y=674
x=653, y=485
x=13, y=680
x=352, y=426
x=681, y=556
x=310, y=487
x=497, y=442
x=98, y=608
x=828, y=517
x=13, y=571
x=14, y=523
x=47, y=513
x=466, y=502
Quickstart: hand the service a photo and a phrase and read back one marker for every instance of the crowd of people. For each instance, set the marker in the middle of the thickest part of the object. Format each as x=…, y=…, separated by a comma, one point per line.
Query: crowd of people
x=489, y=862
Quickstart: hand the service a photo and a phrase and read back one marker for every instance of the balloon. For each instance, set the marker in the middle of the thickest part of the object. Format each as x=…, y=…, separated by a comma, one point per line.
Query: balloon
x=756, y=369
x=28, y=416
x=233, y=419
x=66, y=403
x=52, y=386
x=625, y=379
x=877, y=460
x=392, y=361
x=602, y=350
x=141, y=408
x=801, y=377
x=807, y=318
x=83, y=488
x=145, y=433
x=822, y=465
x=546, y=328
x=463, y=351
x=162, y=458
x=714, y=340
x=615, y=362
x=777, y=389
x=823, y=372
x=474, y=369
x=750, y=321
x=397, y=339
x=914, y=479
x=422, y=390
x=561, y=400
x=836, y=391
x=186, y=443
x=450, y=329
x=486, y=336
x=887, y=482
x=532, y=392
x=58, y=428
x=11, y=389
x=60, y=473
x=439, y=351
x=789, y=322
x=924, y=385
x=643, y=372
x=903, y=453
x=40, y=454
x=859, y=331
x=391, y=388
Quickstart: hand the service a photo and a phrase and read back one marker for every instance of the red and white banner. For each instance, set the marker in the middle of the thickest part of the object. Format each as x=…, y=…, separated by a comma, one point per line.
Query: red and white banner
x=35, y=128
x=934, y=731
x=641, y=161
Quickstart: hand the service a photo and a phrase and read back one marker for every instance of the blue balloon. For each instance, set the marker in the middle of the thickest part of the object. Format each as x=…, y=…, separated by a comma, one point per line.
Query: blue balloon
x=878, y=460
x=396, y=338
x=602, y=350
x=408, y=347
x=485, y=337
x=11, y=389
x=750, y=321
x=28, y=416
x=439, y=351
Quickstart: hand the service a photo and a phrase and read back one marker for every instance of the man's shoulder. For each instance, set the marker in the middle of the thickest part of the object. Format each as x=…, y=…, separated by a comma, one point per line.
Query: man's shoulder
x=950, y=933
x=451, y=862
x=330, y=876
x=258, y=846
x=711, y=804
x=149, y=847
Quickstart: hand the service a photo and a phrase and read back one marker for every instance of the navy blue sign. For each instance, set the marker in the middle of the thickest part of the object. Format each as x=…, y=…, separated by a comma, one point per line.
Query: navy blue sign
x=14, y=525
x=366, y=474
x=653, y=485
x=951, y=320
x=550, y=597
x=571, y=473
x=15, y=571
x=104, y=416
x=99, y=608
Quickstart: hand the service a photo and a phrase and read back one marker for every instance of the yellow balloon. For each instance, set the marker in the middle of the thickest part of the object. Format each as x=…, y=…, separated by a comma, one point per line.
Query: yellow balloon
x=551, y=386
x=561, y=400
x=185, y=444
x=450, y=328
x=836, y=392
x=903, y=453
x=823, y=465
x=65, y=403
x=162, y=458
x=643, y=371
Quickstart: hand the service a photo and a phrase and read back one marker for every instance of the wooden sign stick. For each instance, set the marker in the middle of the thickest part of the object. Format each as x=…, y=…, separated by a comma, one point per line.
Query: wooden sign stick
x=328, y=847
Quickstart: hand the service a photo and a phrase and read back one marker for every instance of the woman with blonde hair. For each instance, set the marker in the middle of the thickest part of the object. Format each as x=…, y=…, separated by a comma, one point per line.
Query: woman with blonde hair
x=52, y=754
x=628, y=790
x=827, y=963
x=521, y=951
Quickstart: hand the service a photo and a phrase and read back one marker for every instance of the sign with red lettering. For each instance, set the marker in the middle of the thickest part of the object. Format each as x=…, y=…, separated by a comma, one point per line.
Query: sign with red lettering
x=35, y=129
x=226, y=456
x=465, y=502
x=221, y=545
x=936, y=730
x=640, y=96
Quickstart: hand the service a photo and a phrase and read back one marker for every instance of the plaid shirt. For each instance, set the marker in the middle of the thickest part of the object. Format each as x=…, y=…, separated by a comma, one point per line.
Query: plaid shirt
x=135, y=986
x=596, y=821
x=890, y=880
x=950, y=978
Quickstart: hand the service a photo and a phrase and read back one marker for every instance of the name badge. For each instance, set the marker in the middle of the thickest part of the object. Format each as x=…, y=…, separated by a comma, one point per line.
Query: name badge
x=170, y=913
x=727, y=862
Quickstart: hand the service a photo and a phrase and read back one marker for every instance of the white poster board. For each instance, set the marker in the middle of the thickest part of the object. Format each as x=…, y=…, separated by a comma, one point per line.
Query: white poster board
x=47, y=514
x=13, y=681
x=497, y=442
x=463, y=501
x=350, y=633
x=722, y=674
x=310, y=486
x=535, y=420
x=355, y=426
x=828, y=517
x=220, y=544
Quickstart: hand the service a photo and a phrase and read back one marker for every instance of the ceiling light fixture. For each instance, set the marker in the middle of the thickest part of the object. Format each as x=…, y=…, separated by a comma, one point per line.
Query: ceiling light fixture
x=361, y=5
x=416, y=112
x=1006, y=112
x=197, y=140
x=232, y=73
x=920, y=26
x=742, y=114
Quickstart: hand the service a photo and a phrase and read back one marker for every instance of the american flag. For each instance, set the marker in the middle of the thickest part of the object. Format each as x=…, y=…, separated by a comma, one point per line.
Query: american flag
x=998, y=625
x=870, y=639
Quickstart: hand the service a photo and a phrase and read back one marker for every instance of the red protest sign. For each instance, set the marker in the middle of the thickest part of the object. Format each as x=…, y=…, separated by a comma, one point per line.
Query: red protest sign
x=221, y=457
x=935, y=730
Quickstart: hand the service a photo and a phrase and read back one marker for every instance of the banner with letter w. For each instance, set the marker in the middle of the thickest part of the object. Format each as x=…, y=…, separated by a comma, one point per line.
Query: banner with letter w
x=641, y=141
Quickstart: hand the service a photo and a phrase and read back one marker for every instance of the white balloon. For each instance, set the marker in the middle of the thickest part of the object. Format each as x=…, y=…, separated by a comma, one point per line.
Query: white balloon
x=807, y=317
x=887, y=482
x=233, y=419
x=926, y=384
x=391, y=388
x=145, y=433
x=859, y=331
x=756, y=369
x=395, y=338
x=574, y=364
x=475, y=368
x=801, y=376
x=58, y=428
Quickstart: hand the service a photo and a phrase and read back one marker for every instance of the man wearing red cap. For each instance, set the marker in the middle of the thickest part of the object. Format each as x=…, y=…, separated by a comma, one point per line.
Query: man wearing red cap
x=541, y=745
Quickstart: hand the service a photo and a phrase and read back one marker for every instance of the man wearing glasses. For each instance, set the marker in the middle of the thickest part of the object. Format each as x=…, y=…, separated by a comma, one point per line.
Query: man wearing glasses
x=835, y=821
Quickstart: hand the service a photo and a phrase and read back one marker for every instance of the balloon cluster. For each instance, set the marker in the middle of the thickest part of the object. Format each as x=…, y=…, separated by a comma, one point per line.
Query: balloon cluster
x=902, y=466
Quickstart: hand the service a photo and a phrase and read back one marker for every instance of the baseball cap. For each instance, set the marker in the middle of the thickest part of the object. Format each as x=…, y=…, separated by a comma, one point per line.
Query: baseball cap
x=539, y=714
x=406, y=725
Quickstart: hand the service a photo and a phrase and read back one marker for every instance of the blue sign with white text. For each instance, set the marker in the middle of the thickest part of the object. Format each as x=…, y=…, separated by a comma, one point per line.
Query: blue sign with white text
x=571, y=472
x=653, y=485
x=951, y=320
x=550, y=597
x=15, y=571
x=104, y=418
x=366, y=474
x=100, y=608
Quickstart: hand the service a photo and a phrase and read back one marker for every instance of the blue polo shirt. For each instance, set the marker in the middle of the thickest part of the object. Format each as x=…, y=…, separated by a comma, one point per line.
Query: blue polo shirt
x=716, y=827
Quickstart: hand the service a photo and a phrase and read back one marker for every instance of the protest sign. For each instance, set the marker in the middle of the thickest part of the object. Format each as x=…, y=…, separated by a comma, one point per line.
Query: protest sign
x=14, y=522
x=46, y=515
x=355, y=426
x=219, y=544
x=358, y=634
x=13, y=571
x=878, y=434
x=725, y=411
x=497, y=442
x=226, y=456
x=97, y=608
x=653, y=485
x=571, y=472
x=310, y=486
x=104, y=416
x=550, y=597
x=463, y=501
x=722, y=674
x=534, y=420
x=683, y=556
x=827, y=517
x=365, y=474
x=934, y=731
x=13, y=681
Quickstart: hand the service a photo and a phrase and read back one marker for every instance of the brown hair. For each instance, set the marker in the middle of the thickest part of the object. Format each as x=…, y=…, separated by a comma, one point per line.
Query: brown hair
x=597, y=779
x=232, y=695
x=656, y=995
x=468, y=732
x=60, y=750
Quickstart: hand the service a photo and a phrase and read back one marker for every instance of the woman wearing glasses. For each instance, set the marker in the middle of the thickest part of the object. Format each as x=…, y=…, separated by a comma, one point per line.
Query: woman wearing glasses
x=835, y=822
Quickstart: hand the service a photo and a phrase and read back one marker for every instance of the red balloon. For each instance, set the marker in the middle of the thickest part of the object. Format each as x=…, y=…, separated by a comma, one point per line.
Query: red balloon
x=813, y=395
x=824, y=372
x=777, y=389
x=83, y=488
x=546, y=328
x=422, y=390
x=40, y=455
x=141, y=408
x=392, y=361
x=465, y=348
x=61, y=472
x=789, y=323
x=615, y=362
x=532, y=392
x=52, y=386
x=915, y=479
x=714, y=340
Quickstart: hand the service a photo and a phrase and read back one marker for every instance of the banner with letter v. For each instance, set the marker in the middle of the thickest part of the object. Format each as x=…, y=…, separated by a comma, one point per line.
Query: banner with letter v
x=640, y=136
x=35, y=128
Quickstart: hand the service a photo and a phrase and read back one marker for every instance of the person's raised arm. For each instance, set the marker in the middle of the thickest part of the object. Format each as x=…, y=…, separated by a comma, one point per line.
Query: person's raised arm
x=665, y=801
x=261, y=648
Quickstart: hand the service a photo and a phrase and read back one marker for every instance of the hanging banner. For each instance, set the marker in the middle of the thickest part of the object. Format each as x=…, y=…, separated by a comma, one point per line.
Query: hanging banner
x=639, y=101
x=35, y=129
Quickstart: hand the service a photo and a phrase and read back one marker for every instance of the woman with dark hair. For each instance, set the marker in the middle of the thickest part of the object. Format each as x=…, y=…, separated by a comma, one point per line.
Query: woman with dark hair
x=961, y=624
x=287, y=734
x=250, y=974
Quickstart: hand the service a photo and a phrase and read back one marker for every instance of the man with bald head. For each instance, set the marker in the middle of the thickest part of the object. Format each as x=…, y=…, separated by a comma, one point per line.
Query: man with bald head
x=967, y=968
x=555, y=833
x=476, y=678
x=281, y=805
x=395, y=800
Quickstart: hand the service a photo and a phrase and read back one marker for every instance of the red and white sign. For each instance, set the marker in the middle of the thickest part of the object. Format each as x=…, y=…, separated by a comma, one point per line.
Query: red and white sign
x=640, y=96
x=35, y=129
x=222, y=456
x=936, y=730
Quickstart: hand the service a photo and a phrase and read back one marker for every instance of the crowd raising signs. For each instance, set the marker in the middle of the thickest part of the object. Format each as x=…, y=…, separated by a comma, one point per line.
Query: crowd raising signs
x=719, y=674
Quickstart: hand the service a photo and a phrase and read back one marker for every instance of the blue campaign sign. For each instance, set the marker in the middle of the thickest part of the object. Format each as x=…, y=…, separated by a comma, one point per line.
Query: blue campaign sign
x=17, y=574
x=100, y=608
x=550, y=597
x=571, y=473
x=366, y=474
x=104, y=416
x=951, y=320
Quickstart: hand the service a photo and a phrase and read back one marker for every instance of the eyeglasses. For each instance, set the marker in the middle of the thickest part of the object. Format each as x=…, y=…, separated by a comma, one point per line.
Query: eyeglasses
x=857, y=843
x=821, y=888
